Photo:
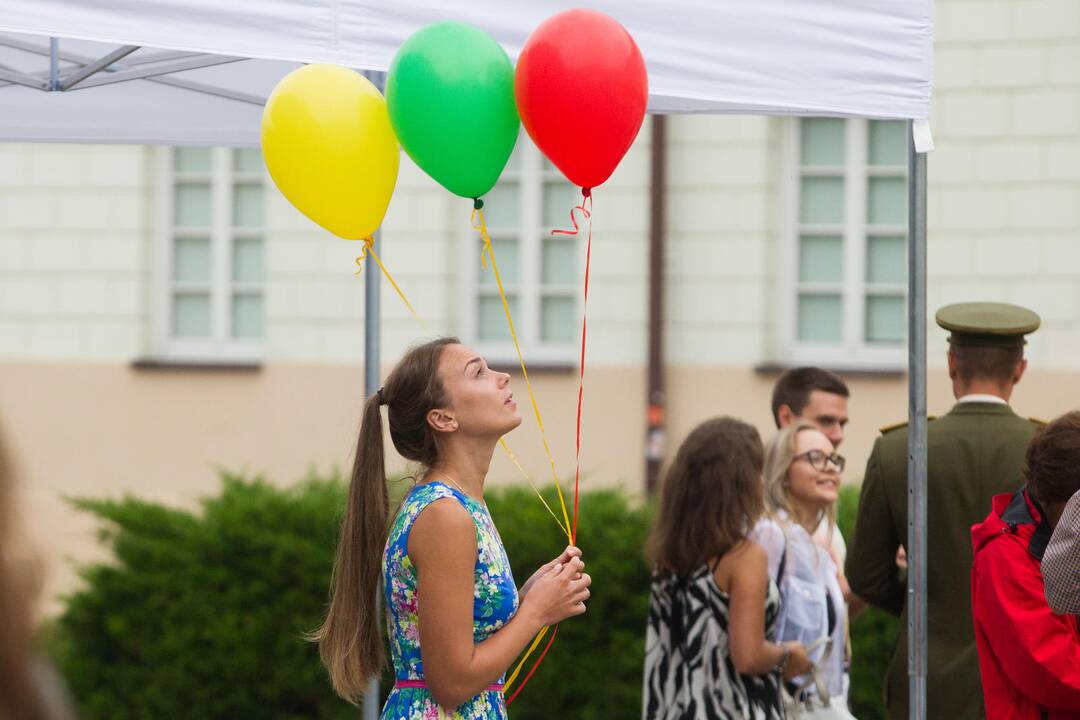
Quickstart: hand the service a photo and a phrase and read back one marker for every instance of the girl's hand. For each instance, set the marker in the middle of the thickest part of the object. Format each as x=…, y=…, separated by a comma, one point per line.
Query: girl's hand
x=567, y=554
x=799, y=663
x=557, y=594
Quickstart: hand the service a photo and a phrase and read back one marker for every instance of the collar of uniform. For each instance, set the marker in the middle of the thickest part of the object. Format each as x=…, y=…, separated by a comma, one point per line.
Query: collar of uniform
x=982, y=398
x=981, y=408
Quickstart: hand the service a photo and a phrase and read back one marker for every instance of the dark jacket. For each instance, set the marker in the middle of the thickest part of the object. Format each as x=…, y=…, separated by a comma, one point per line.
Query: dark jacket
x=975, y=452
x=1028, y=655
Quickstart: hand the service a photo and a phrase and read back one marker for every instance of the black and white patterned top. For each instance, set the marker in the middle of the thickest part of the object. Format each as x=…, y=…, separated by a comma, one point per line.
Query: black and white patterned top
x=689, y=674
x=1061, y=562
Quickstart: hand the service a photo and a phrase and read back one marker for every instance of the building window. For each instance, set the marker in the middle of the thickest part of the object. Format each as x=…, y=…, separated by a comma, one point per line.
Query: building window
x=540, y=272
x=845, y=252
x=211, y=304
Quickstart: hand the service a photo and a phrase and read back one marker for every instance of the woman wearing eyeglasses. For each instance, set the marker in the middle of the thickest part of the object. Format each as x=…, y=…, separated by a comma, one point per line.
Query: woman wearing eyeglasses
x=802, y=484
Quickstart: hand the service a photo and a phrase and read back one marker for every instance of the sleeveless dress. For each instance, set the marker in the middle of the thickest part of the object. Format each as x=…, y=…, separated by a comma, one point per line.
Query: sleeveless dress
x=689, y=674
x=495, y=600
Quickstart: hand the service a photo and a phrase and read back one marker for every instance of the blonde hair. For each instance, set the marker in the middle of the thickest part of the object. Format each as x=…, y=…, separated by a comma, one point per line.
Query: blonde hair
x=779, y=454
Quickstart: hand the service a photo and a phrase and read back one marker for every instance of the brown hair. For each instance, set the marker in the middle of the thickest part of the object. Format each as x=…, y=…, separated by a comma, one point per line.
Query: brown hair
x=349, y=640
x=986, y=363
x=1052, y=464
x=794, y=387
x=20, y=696
x=710, y=498
x=779, y=454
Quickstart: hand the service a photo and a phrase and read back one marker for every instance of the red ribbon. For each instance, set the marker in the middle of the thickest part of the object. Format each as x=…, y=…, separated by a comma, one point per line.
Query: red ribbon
x=554, y=632
x=585, y=208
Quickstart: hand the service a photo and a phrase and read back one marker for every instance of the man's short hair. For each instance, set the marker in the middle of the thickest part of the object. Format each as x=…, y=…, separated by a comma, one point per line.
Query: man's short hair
x=975, y=362
x=794, y=387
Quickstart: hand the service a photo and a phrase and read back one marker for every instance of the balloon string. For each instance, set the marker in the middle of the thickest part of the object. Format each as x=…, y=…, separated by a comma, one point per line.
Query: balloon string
x=532, y=646
x=478, y=223
x=534, y=667
x=517, y=464
x=586, y=213
x=368, y=249
x=585, y=208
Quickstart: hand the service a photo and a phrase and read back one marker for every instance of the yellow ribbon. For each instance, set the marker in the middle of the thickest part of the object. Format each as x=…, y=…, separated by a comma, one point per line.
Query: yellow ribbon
x=481, y=227
x=368, y=248
x=521, y=663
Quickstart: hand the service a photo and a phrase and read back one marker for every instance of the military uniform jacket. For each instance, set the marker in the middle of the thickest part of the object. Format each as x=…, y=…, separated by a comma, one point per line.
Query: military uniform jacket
x=975, y=452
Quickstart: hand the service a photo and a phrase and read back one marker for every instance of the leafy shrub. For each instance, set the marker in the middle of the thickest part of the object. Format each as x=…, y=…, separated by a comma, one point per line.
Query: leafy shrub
x=203, y=615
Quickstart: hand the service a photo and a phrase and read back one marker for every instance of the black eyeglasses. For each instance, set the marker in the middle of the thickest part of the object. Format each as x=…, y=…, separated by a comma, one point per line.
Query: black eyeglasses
x=819, y=460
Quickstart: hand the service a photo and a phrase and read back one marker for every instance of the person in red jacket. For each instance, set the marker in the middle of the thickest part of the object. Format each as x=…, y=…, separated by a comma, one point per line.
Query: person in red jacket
x=1029, y=656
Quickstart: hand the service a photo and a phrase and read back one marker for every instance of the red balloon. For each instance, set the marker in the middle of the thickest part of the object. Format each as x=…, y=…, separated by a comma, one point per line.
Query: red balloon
x=581, y=90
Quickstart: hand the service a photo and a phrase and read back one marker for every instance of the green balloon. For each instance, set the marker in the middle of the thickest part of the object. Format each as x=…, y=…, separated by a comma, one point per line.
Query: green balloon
x=450, y=93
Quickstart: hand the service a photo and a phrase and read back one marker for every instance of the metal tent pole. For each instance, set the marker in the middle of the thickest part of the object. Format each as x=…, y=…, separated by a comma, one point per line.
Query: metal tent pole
x=916, y=540
x=372, y=382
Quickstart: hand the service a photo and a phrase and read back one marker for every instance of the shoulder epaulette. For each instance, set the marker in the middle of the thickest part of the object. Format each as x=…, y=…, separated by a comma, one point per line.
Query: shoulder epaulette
x=1038, y=421
x=896, y=426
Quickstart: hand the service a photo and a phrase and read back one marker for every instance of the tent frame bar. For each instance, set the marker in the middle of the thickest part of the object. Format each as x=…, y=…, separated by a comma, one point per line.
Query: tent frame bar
x=51, y=80
x=917, y=424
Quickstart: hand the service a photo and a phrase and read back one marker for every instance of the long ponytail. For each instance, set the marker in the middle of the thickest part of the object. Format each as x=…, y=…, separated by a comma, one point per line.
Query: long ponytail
x=350, y=642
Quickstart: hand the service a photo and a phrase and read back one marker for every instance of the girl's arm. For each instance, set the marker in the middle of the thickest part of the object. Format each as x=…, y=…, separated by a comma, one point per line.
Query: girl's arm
x=747, y=575
x=442, y=546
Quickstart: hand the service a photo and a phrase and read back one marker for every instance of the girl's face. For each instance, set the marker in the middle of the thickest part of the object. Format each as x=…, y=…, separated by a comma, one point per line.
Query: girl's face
x=480, y=402
x=814, y=475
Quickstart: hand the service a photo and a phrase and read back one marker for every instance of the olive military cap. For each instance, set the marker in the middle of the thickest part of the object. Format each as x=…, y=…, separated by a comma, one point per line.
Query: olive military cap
x=987, y=324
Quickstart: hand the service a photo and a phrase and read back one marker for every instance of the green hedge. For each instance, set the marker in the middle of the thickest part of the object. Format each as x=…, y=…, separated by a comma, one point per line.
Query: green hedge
x=201, y=614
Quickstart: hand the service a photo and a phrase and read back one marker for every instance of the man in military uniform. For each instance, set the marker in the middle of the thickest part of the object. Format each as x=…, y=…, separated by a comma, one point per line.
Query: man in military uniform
x=973, y=453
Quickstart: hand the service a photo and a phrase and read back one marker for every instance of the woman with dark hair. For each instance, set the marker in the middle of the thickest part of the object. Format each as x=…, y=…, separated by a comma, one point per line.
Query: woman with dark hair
x=709, y=647
x=1029, y=656
x=455, y=619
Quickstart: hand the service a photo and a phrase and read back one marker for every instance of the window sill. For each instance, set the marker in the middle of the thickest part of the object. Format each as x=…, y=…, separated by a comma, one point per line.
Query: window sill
x=191, y=365
x=847, y=370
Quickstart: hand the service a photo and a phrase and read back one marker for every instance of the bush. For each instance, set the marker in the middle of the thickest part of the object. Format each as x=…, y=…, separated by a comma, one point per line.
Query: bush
x=202, y=614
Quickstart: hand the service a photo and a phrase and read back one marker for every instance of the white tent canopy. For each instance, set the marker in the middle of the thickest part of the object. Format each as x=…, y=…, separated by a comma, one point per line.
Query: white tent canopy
x=199, y=70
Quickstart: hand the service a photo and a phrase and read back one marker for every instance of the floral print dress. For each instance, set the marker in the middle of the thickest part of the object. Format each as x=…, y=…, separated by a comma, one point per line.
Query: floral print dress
x=495, y=600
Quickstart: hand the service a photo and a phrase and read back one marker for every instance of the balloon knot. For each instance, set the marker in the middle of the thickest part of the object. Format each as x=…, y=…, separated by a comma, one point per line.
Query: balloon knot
x=477, y=204
x=586, y=192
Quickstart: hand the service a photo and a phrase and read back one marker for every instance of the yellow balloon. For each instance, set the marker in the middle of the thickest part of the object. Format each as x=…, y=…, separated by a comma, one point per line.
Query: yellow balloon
x=330, y=148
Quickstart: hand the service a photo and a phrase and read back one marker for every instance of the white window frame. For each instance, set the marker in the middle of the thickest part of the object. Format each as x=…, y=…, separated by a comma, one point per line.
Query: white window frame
x=220, y=347
x=853, y=352
x=531, y=234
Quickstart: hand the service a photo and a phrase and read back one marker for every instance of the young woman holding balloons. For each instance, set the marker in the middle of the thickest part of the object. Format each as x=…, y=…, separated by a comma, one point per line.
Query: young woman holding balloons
x=455, y=102
x=455, y=619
